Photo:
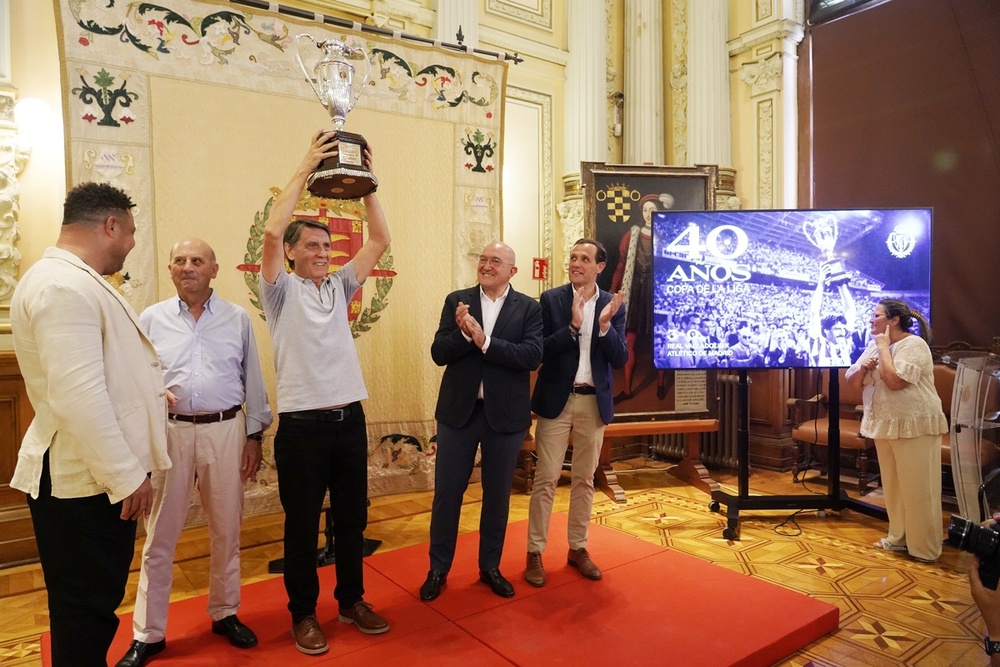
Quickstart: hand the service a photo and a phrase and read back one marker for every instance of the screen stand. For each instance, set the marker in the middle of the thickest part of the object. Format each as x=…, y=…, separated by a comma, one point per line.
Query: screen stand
x=835, y=498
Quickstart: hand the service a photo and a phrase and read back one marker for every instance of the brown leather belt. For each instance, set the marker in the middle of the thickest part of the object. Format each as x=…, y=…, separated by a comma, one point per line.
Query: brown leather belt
x=207, y=417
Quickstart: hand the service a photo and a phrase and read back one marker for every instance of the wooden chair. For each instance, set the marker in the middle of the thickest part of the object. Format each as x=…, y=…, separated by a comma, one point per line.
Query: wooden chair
x=524, y=471
x=812, y=430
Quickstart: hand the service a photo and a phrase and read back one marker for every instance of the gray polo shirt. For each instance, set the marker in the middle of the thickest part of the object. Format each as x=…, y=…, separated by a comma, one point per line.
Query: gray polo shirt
x=315, y=358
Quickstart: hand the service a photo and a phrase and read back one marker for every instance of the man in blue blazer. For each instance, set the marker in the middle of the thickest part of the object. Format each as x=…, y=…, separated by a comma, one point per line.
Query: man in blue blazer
x=489, y=340
x=584, y=328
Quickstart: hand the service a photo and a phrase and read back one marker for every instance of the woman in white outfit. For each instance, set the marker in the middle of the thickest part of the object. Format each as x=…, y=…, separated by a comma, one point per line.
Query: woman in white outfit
x=903, y=416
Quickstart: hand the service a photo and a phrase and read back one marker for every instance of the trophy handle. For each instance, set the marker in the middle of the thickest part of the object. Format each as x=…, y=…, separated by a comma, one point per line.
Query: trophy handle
x=368, y=73
x=302, y=65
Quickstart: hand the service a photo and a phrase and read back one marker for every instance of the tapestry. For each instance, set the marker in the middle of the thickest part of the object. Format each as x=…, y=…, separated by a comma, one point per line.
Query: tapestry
x=200, y=111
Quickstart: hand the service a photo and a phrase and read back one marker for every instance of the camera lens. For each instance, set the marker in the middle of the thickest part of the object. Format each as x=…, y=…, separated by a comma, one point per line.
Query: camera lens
x=971, y=537
x=983, y=542
x=958, y=532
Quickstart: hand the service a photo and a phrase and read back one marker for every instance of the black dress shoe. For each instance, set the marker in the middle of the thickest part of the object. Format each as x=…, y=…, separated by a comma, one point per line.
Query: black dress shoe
x=139, y=652
x=496, y=582
x=432, y=586
x=239, y=635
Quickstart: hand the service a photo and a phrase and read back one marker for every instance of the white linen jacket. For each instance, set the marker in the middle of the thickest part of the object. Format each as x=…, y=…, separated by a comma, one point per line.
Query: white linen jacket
x=93, y=379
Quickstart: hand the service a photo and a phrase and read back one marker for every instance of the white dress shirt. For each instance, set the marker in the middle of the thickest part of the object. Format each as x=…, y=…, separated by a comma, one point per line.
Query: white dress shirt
x=585, y=371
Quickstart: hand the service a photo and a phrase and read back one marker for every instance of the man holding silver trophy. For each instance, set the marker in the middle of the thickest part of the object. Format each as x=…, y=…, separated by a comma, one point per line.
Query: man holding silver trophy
x=832, y=337
x=322, y=442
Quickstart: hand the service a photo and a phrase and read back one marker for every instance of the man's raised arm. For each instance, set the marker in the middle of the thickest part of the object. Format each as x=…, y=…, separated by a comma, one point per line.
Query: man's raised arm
x=378, y=232
x=273, y=260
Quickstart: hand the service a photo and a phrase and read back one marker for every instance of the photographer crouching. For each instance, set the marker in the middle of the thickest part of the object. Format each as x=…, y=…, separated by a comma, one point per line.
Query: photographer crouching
x=983, y=576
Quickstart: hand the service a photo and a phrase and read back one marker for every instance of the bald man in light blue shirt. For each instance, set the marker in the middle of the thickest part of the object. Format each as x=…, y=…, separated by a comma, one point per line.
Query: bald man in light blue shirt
x=218, y=411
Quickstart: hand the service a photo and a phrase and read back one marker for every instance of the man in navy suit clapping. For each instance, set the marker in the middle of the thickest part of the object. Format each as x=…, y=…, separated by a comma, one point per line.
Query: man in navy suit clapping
x=489, y=340
x=584, y=329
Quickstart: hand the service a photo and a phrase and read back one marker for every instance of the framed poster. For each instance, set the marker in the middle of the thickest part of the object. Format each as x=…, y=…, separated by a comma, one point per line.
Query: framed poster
x=619, y=201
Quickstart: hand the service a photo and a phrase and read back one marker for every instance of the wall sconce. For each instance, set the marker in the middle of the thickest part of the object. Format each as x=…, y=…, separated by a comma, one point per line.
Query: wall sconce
x=35, y=121
x=618, y=100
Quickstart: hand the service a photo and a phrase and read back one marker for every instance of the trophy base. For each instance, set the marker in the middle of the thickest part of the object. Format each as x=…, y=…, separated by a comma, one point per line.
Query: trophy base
x=837, y=274
x=344, y=176
x=341, y=183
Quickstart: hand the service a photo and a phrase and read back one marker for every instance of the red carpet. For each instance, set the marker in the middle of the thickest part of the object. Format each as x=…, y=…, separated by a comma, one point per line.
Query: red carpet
x=653, y=606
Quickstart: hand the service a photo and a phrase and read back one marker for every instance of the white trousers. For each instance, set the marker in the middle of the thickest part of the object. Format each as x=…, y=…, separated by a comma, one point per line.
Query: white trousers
x=580, y=424
x=911, y=482
x=208, y=455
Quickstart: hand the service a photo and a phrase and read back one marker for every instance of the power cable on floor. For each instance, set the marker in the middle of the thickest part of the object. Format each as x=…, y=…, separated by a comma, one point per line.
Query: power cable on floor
x=791, y=519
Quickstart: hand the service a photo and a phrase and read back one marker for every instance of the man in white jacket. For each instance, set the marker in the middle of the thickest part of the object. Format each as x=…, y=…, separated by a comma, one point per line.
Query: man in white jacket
x=94, y=381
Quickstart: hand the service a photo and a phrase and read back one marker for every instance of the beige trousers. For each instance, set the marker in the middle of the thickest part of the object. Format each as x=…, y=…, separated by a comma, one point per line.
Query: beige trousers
x=580, y=424
x=209, y=454
x=911, y=481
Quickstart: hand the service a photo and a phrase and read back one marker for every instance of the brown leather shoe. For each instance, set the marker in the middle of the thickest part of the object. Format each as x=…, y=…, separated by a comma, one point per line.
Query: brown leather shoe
x=363, y=615
x=309, y=637
x=534, y=573
x=580, y=559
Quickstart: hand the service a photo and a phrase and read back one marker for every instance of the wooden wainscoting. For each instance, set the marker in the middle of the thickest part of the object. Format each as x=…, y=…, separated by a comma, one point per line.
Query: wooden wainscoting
x=17, y=537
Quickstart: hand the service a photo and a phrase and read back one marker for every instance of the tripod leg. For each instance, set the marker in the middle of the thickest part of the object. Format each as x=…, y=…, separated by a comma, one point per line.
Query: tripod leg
x=326, y=555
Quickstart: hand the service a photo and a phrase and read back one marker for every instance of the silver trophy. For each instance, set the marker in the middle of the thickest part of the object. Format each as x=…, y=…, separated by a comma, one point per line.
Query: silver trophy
x=335, y=84
x=822, y=233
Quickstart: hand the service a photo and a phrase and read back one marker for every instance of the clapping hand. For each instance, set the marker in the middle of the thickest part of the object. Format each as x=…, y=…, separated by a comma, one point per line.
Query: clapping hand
x=609, y=311
x=469, y=326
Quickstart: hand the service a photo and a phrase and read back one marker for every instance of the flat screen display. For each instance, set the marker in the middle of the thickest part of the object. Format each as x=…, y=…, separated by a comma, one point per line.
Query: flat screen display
x=781, y=289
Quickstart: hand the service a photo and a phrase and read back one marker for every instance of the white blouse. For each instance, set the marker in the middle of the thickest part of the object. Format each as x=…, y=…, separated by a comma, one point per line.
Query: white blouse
x=910, y=412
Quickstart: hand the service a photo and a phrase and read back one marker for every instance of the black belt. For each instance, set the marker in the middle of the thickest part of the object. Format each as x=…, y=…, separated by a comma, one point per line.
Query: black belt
x=207, y=417
x=332, y=415
x=584, y=389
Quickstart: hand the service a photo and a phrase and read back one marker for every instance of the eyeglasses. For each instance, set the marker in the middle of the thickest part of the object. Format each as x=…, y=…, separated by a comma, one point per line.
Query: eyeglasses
x=495, y=262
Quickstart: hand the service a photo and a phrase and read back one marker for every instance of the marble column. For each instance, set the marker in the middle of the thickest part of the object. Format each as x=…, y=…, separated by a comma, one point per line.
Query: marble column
x=455, y=14
x=586, y=117
x=643, y=114
x=709, y=122
x=766, y=57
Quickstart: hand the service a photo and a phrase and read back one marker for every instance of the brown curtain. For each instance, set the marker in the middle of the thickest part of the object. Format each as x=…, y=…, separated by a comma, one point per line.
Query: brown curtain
x=900, y=106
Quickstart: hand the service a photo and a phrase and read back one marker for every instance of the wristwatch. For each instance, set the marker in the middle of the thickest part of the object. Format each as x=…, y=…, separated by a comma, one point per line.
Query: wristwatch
x=990, y=646
x=259, y=437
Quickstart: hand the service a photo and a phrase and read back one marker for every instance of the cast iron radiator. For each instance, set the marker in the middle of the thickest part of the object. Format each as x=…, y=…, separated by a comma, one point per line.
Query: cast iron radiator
x=718, y=450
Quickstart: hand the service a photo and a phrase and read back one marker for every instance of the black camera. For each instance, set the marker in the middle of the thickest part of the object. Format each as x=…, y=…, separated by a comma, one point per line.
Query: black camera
x=979, y=540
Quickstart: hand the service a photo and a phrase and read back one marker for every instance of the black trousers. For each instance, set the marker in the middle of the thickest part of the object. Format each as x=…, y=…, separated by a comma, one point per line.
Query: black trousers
x=311, y=457
x=456, y=454
x=85, y=549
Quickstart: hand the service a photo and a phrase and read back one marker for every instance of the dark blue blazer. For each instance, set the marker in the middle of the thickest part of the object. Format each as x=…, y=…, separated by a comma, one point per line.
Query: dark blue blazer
x=561, y=356
x=505, y=370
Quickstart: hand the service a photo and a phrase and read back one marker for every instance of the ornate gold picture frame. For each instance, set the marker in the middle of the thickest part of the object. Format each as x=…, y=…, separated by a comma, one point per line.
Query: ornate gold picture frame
x=618, y=200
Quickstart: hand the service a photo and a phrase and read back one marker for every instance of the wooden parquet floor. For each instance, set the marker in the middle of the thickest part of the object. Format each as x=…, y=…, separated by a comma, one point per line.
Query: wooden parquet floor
x=893, y=610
